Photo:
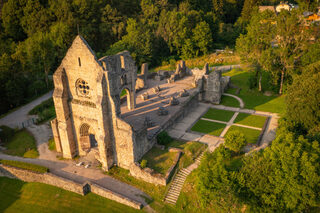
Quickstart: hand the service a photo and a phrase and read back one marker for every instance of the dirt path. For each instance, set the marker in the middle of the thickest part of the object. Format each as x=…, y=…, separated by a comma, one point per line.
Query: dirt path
x=15, y=118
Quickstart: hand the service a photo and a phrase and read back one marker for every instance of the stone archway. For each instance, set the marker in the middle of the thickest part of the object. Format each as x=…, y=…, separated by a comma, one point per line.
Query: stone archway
x=87, y=138
x=130, y=97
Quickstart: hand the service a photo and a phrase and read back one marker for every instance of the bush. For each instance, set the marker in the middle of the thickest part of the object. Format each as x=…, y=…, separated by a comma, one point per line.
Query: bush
x=163, y=138
x=252, y=82
x=143, y=164
x=235, y=140
x=52, y=145
x=26, y=166
x=44, y=105
x=6, y=133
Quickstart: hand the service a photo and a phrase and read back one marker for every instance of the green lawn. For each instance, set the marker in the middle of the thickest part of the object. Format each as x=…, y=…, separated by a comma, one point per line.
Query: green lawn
x=45, y=111
x=220, y=115
x=19, y=196
x=208, y=127
x=251, y=135
x=254, y=99
x=22, y=144
x=26, y=166
x=250, y=120
x=191, y=151
x=229, y=101
x=159, y=160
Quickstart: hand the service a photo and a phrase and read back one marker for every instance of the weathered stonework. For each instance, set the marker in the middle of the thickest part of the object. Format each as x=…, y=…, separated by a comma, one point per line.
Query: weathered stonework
x=87, y=102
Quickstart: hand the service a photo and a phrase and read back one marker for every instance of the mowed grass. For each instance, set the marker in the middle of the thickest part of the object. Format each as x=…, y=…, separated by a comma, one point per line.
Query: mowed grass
x=22, y=144
x=26, y=166
x=254, y=99
x=19, y=196
x=208, y=127
x=229, y=101
x=251, y=135
x=250, y=120
x=220, y=115
x=159, y=160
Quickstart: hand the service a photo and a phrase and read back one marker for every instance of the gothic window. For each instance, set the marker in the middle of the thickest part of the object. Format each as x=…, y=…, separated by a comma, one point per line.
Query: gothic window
x=82, y=87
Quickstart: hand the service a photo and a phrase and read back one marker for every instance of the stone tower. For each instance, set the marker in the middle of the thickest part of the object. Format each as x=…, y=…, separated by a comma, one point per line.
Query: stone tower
x=87, y=102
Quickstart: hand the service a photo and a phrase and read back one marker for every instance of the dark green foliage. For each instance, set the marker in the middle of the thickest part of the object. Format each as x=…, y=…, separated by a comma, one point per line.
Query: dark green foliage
x=6, y=133
x=45, y=111
x=164, y=138
x=303, y=103
x=144, y=164
x=23, y=165
x=52, y=144
x=252, y=82
x=235, y=140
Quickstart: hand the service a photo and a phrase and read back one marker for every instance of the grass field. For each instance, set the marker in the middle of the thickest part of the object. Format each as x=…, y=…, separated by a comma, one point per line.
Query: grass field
x=220, y=115
x=208, y=127
x=22, y=144
x=254, y=99
x=159, y=160
x=23, y=165
x=229, y=101
x=251, y=135
x=19, y=196
x=250, y=120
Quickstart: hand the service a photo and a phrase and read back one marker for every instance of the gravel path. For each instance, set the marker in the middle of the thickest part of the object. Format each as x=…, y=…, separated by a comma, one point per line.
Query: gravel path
x=15, y=118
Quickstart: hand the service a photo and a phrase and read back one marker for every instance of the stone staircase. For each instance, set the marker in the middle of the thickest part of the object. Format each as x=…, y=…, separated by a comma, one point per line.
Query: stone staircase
x=177, y=184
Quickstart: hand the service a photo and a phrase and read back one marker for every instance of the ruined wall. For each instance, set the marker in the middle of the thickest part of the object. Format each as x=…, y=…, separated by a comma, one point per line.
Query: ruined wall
x=212, y=87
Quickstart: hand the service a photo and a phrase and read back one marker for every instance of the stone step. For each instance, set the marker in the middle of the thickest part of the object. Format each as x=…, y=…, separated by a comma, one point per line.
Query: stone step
x=176, y=188
x=171, y=198
x=173, y=195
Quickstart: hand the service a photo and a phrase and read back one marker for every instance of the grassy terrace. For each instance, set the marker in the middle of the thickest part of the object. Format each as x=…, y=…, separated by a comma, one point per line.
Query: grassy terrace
x=208, y=127
x=251, y=120
x=250, y=134
x=45, y=111
x=220, y=115
x=229, y=101
x=159, y=160
x=19, y=196
x=22, y=144
x=254, y=99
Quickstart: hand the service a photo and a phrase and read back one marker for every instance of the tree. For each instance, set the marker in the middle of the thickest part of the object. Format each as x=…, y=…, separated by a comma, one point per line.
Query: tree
x=303, y=103
x=202, y=37
x=254, y=46
x=235, y=141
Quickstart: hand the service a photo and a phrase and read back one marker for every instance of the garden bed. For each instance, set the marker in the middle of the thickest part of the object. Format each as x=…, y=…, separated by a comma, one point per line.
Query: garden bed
x=251, y=135
x=220, y=115
x=251, y=120
x=208, y=127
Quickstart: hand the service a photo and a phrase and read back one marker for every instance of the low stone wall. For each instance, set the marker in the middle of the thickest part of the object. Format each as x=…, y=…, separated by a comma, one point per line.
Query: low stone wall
x=103, y=192
x=150, y=176
x=51, y=179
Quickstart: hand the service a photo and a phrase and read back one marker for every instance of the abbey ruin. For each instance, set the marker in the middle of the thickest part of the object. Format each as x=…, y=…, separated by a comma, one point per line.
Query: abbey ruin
x=93, y=117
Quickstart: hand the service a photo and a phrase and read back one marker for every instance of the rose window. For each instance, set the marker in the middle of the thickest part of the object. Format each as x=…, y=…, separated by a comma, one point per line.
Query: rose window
x=82, y=87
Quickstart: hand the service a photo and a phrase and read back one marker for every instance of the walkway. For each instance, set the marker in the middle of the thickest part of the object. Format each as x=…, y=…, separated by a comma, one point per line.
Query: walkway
x=68, y=169
x=14, y=119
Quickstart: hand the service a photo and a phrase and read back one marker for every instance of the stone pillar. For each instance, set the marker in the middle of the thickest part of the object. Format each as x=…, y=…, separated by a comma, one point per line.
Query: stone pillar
x=206, y=69
x=66, y=137
x=131, y=100
x=55, y=132
x=105, y=152
x=144, y=72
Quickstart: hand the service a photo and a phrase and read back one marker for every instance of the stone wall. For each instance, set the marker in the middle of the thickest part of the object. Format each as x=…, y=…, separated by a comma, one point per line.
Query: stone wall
x=51, y=179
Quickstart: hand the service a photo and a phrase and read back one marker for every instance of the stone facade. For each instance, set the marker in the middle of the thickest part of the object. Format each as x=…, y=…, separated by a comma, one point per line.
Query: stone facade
x=87, y=102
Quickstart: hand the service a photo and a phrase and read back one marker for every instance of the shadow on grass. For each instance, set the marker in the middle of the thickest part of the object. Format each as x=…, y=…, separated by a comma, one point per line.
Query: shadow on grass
x=252, y=98
x=10, y=192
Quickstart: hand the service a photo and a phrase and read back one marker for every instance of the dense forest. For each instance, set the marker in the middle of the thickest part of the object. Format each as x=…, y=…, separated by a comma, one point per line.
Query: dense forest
x=34, y=35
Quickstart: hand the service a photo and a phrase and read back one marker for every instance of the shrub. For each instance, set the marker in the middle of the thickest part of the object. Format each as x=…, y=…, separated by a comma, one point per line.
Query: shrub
x=252, y=82
x=26, y=166
x=163, y=138
x=52, y=145
x=143, y=164
x=44, y=105
x=235, y=140
x=6, y=133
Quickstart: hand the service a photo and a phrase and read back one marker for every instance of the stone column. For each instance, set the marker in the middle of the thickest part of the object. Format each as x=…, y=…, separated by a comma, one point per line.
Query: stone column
x=131, y=100
x=144, y=72
x=55, y=132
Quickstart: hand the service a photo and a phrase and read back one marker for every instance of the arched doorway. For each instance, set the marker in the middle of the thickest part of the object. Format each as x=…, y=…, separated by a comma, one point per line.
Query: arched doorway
x=127, y=96
x=87, y=138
